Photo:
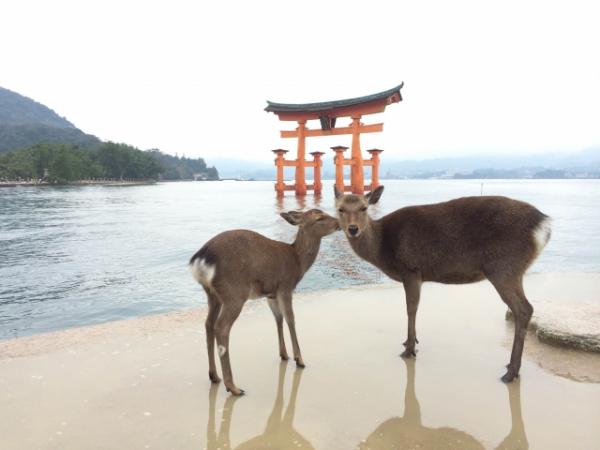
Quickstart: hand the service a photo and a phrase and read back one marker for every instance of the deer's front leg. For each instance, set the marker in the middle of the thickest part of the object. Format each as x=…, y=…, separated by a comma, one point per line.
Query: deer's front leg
x=285, y=304
x=412, y=290
x=273, y=304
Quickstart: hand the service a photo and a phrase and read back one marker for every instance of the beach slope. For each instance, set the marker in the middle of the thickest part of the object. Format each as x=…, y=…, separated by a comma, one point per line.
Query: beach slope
x=143, y=383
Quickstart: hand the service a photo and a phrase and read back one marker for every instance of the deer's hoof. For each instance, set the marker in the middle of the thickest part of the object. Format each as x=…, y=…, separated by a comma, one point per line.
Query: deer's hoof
x=284, y=357
x=299, y=363
x=408, y=353
x=214, y=378
x=509, y=376
x=236, y=391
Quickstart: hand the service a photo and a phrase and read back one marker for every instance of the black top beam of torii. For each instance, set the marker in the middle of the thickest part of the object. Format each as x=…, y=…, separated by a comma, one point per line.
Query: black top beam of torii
x=327, y=106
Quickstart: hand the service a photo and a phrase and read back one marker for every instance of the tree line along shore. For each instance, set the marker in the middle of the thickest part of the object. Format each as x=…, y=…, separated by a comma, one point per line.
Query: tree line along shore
x=104, y=163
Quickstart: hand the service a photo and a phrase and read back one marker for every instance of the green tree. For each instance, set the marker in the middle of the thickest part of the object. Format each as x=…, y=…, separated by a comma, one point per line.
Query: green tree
x=67, y=163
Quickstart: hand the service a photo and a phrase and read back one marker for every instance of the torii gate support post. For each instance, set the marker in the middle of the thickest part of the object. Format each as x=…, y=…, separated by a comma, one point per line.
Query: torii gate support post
x=375, y=152
x=317, y=163
x=300, y=173
x=338, y=160
x=279, y=162
x=357, y=178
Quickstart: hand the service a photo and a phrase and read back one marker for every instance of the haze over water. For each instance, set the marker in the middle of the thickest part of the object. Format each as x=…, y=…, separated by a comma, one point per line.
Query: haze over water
x=72, y=256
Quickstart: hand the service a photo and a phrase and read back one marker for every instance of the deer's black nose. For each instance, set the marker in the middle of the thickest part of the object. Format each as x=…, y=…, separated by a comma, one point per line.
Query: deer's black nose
x=352, y=229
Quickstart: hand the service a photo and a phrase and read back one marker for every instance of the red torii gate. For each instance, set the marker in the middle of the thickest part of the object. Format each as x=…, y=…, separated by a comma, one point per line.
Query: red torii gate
x=327, y=114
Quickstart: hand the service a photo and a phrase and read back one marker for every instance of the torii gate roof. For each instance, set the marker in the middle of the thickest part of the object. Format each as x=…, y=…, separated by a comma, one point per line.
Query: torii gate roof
x=338, y=108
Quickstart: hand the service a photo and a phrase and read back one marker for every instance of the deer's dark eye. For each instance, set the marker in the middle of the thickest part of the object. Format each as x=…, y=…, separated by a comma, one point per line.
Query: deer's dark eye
x=364, y=208
x=341, y=210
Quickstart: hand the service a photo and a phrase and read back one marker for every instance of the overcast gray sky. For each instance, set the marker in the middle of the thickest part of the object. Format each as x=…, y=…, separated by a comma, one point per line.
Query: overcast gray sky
x=192, y=77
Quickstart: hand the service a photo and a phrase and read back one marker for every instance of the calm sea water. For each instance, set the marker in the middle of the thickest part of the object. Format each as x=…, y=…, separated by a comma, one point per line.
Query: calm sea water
x=72, y=256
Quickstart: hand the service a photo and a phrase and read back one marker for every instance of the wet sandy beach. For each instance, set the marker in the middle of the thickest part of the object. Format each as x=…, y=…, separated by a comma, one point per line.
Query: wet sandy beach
x=143, y=384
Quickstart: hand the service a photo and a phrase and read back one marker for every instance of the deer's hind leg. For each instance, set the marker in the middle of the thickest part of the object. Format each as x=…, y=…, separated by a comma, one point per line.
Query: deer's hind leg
x=511, y=292
x=231, y=306
x=214, y=307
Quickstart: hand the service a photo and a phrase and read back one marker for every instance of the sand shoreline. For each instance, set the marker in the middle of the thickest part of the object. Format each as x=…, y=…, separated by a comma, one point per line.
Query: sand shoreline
x=8, y=184
x=142, y=382
x=543, y=325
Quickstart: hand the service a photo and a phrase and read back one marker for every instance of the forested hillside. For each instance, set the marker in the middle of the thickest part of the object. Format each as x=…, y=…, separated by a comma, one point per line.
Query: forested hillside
x=182, y=168
x=16, y=109
x=38, y=144
x=64, y=163
x=25, y=122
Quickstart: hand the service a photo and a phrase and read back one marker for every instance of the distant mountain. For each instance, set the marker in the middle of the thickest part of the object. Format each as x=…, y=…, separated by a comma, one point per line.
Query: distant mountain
x=584, y=164
x=242, y=168
x=25, y=122
x=588, y=160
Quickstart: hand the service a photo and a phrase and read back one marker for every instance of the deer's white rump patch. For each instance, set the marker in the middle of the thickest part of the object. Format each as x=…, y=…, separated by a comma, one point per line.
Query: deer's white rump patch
x=202, y=272
x=541, y=235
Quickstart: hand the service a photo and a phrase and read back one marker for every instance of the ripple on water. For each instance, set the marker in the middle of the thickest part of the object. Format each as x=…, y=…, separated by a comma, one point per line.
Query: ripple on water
x=81, y=255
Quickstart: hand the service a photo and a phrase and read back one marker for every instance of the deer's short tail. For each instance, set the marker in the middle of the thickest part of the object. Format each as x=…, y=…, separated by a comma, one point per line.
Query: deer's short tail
x=542, y=233
x=203, y=270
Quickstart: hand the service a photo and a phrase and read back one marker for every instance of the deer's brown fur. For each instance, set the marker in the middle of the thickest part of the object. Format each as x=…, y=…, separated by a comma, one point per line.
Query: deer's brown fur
x=240, y=264
x=460, y=241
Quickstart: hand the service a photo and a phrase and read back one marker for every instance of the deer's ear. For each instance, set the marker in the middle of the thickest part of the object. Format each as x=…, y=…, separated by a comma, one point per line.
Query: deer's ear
x=373, y=196
x=293, y=217
x=337, y=192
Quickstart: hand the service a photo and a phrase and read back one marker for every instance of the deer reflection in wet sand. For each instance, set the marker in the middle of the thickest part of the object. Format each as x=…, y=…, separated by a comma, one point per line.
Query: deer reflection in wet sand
x=279, y=432
x=408, y=432
x=516, y=438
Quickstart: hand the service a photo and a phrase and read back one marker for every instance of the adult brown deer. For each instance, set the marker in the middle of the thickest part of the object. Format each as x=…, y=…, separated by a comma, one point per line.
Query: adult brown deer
x=241, y=264
x=460, y=241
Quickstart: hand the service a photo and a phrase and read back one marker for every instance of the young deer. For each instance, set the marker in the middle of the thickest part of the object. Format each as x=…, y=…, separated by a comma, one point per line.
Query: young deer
x=460, y=241
x=241, y=264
